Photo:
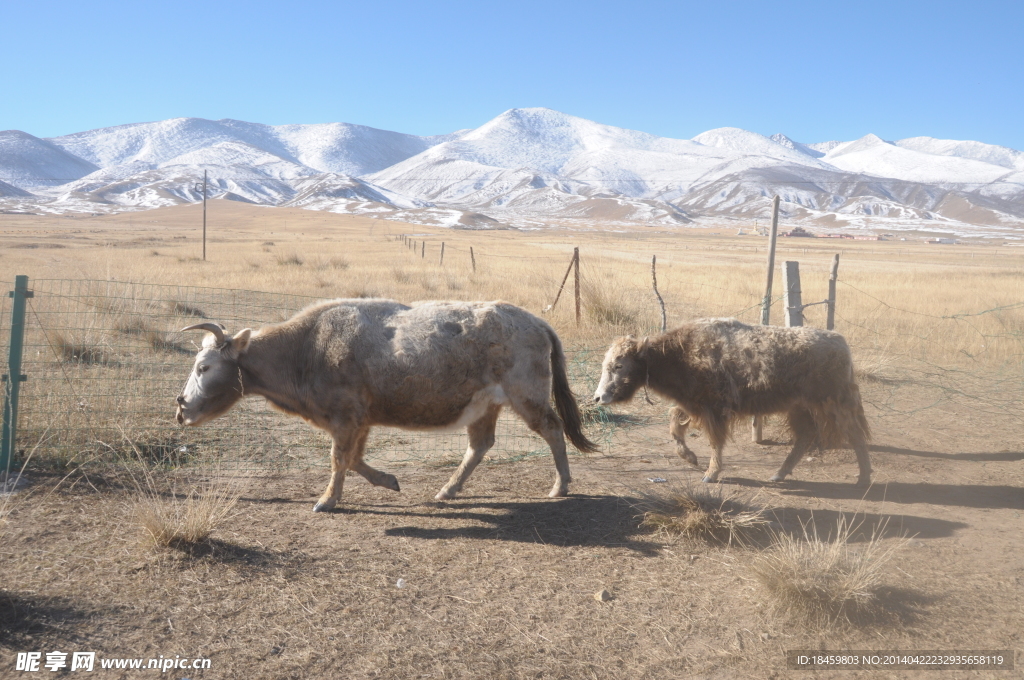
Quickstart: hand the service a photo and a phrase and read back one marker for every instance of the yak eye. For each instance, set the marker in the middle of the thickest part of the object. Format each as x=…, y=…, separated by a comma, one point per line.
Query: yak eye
x=202, y=369
x=618, y=367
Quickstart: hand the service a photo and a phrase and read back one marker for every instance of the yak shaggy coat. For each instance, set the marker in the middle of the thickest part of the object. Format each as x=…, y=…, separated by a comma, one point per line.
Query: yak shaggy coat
x=718, y=370
x=347, y=365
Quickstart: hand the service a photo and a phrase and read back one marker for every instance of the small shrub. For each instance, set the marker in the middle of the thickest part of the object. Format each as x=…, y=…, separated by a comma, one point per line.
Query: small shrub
x=268, y=243
x=703, y=512
x=400, y=275
x=185, y=522
x=607, y=306
x=824, y=581
x=292, y=259
x=76, y=352
x=185, y=309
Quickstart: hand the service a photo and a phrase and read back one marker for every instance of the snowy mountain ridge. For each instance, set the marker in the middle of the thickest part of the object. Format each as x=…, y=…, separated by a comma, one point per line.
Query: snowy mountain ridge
x=526, y=166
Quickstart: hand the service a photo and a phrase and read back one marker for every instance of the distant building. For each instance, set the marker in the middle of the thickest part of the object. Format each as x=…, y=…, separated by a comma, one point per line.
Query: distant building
x=944, y=241
x=799, y=232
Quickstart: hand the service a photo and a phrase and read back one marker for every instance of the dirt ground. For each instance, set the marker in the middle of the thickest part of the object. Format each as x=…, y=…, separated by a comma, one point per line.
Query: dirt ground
x=501, y=582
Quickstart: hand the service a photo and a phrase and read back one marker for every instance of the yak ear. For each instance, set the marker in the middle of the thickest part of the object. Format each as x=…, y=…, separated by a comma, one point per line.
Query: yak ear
x=239, y=343
x=641, y=347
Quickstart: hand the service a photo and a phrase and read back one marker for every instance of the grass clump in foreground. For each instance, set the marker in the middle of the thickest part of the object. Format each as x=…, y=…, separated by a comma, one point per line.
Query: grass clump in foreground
x=702, y=512
x=185, y=521
x=182, y=520
x=826, y=581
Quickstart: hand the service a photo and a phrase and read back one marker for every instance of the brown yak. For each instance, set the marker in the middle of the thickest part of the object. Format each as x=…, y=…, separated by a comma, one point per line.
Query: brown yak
x=347, y=365
x=718, y=370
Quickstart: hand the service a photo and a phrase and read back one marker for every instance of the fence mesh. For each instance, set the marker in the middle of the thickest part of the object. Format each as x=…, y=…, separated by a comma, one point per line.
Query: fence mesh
x=105, y=360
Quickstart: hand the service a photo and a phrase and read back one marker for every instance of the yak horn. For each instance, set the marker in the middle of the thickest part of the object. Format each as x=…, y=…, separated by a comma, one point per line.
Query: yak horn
x=216, y=329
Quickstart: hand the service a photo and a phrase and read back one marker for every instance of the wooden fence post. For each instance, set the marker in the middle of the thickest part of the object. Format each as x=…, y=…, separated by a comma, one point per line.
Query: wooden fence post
x=756, y=425
x=576, y=259
x=441, y=261
x=792, y=299
x=423, y=250
x=654, y=278
x=565, y=278
x=830, y=322
x=472, y=258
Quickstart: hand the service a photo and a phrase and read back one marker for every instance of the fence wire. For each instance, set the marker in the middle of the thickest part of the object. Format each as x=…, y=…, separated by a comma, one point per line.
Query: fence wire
x=106, y=359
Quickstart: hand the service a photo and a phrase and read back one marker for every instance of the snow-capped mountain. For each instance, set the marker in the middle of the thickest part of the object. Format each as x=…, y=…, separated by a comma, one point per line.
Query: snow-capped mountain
x=524, y=166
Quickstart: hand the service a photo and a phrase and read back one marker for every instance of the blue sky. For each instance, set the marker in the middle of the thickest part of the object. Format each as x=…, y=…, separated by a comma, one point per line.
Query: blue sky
x=813, y=70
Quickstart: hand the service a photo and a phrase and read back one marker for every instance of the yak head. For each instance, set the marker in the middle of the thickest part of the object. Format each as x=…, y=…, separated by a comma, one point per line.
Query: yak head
x=215, y=383
x=623, y=372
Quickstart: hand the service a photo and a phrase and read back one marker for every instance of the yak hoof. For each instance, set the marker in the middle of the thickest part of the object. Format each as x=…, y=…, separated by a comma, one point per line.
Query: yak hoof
x=390, y=482
x=708, y=479
x=323, y=507
x=444, y=495
x=558, y=493
x=863, y=482
x=777, y=477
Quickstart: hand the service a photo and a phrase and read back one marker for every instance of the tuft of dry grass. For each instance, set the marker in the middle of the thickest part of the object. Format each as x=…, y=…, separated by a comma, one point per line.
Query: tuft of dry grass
x=77, y=352
x=292, y=259
x=323, y=264
x=185, y=521
x=826, y=581
x=703, y=512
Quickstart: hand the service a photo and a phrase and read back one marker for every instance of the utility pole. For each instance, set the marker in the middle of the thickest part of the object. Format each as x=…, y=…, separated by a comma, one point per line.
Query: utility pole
x=204, y=215
x=196, y=188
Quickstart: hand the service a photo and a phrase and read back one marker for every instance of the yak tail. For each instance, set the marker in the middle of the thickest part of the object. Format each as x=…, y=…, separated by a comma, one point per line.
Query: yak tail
x=841, y=420
x=565, y=400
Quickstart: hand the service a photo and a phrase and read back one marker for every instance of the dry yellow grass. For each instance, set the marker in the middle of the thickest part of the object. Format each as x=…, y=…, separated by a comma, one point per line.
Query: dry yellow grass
x=703, y=512
x=825, y=581
x=946, y=305
x=185, y=520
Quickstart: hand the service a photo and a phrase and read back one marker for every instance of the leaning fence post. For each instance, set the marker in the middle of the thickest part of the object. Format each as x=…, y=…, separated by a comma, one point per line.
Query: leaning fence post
x=472, y=258
x=423, y=250
x=830, y=321
x=12, y=381
x=565, y=278
x=792, y=298
x=654, y=278
x=441, y=261
x=576, y=259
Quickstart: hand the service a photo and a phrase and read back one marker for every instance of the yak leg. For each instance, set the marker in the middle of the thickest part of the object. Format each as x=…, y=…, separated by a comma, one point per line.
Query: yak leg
x=678, y=421
x=372, y=475
x=481, y=438
x=344, y=441
x=542, y=419
x=716, y=425
x=715, y=466
x=805, y=435
x=860, y=446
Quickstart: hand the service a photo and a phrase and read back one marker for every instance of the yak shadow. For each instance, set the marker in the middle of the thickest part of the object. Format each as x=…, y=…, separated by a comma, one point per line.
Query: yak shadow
x=988, y=496
x=576, y=521
x=863, y=526
x=26, y=618
x=1008, y=456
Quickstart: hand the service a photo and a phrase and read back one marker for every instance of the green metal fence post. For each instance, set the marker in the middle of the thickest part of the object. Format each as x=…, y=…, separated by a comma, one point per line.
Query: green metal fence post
x=14, y=378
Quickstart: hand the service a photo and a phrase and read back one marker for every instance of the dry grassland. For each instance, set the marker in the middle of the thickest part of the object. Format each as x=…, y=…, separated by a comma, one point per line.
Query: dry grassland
x=501, y=582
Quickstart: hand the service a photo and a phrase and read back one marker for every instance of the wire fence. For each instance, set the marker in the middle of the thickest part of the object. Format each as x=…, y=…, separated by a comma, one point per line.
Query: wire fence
x=105, y=361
